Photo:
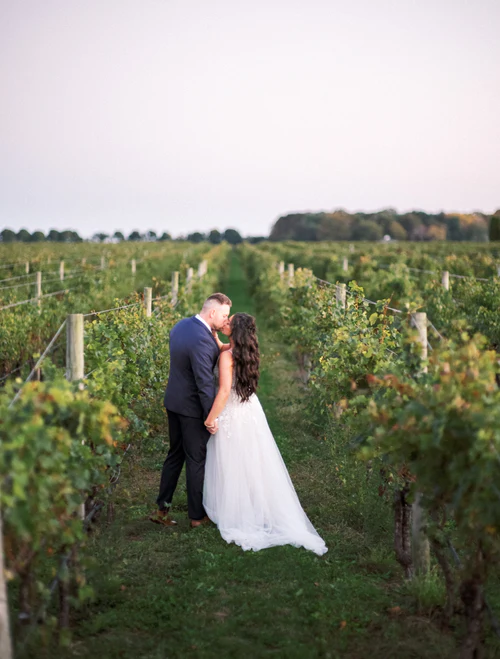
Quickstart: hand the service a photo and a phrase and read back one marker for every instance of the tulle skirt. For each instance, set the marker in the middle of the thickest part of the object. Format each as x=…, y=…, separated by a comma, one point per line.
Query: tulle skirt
x=248, y=492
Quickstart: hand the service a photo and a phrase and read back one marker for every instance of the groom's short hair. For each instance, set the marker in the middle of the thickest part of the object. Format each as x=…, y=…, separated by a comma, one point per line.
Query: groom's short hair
x=216, y=298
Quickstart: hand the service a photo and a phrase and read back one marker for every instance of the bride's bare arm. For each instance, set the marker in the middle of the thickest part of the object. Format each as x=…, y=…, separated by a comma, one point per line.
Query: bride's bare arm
x=225, y=384
x=222, y=346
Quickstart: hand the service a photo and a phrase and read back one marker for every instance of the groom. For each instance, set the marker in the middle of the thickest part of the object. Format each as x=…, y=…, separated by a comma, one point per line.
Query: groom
x=188, y=399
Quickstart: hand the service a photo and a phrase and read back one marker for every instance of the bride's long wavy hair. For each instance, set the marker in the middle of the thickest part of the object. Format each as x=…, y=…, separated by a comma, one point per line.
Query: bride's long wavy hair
x=246, y=356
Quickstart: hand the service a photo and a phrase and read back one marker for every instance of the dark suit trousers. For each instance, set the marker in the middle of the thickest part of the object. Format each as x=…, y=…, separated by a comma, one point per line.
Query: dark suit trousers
x=188, y=443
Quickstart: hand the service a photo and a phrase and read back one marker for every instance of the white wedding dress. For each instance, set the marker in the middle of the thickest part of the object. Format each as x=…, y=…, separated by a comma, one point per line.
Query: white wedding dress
x=248, y=492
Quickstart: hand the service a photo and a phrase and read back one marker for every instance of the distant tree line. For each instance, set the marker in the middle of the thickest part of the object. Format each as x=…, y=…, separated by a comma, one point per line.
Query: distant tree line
x=495, y=226
x=415, y=225
x=118, y=237
x=24, y=236
x=232, y=236
x=335, y=225
x=215, y=237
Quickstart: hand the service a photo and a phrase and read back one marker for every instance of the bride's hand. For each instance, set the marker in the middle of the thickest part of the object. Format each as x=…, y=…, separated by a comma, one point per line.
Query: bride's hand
x=216, y=337
x=212, y=428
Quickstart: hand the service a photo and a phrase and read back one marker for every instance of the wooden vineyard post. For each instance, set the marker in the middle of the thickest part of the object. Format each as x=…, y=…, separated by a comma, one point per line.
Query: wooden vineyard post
x=202, y=269
x=61, y=270
x=75, y=357
x=38, y=288
x=133, y=267
x=340, y=295
x=27, y=267
x=446, y=280
x=291, y=274
x=419, y=320
x=340, y=299
x=345, y=264
x=175, y=287
x=498, y=270
x=84, y=261
x=189, y=279
x=74, y=347
x=281, y=269
x=5, y=640
x=420, y=542
x=148, y=301
x=103, y=262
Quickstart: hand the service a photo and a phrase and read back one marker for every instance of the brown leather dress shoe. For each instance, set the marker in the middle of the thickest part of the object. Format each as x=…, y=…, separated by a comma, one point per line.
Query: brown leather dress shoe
x=161, y=517
x=195, y=523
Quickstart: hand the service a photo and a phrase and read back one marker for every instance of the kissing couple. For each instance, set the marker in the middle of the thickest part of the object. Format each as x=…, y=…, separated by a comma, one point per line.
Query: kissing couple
x=235, y=475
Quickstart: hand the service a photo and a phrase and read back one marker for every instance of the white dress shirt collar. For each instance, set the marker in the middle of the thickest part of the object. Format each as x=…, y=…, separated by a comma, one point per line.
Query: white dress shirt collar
x=204, y=322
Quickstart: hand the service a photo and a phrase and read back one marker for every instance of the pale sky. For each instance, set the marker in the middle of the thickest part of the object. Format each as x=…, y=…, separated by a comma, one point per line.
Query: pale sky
x=184, y=115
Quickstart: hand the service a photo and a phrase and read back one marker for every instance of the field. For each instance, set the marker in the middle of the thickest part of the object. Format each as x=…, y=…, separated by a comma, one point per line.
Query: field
x=388, y=421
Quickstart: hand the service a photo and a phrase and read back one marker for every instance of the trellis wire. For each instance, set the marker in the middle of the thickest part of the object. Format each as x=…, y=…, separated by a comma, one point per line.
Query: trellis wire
x=125, y=306
x=109, y=358
x=23, y=365
x=26, y=283
x=365, y=299
x=469, y=277
x=96, y=368
x=35, y=299
x=348, y=292
x=437, y=331
x=115, y=477
x=323, y=281
x=10, y=265
x=40, y=360
x=31, y=274
x=71, y=274
x=4, y=377
x=432, y=272
x=427, y=272
x=414, y=321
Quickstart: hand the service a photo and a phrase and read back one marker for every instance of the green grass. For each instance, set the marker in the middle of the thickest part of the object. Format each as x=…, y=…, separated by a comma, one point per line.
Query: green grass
x=185, y=593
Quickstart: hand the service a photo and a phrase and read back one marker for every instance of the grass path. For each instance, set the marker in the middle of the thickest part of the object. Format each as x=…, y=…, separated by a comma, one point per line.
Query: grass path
x=185, y=593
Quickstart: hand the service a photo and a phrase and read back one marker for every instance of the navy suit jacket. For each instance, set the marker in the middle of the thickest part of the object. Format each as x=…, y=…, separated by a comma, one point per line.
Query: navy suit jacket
x=193, y=356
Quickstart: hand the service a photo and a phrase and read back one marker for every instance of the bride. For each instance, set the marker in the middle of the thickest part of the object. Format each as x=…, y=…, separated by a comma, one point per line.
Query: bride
x=248, y=492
